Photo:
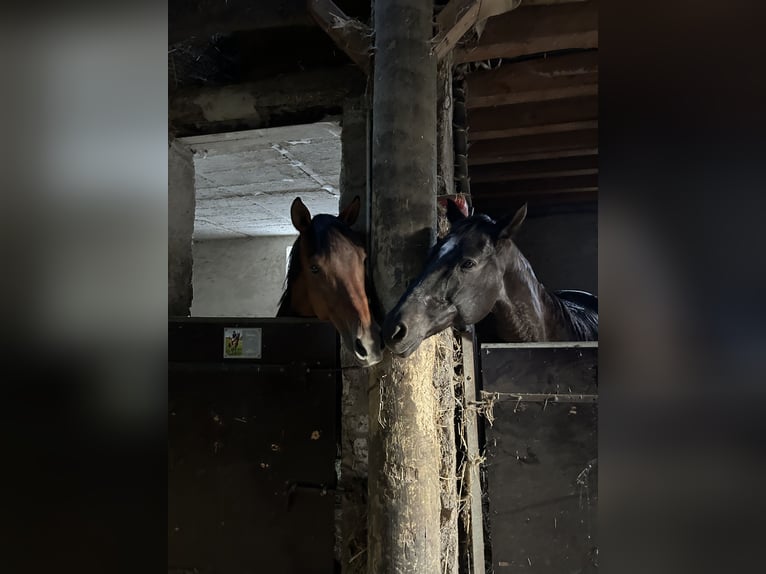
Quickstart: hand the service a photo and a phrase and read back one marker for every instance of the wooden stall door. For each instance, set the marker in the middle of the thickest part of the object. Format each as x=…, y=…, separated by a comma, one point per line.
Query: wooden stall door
x=252, y=446
x=541, y=457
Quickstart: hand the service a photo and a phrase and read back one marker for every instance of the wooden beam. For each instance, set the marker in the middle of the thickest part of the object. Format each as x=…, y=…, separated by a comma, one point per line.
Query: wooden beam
x=536, y=29
x=502, y=206
x=533, y=130
x=502, y=189
x=506, y=150
x=474, y=521
x=579, y=165
x=532, y=114
x=404, y=509
x=543, y=155
x=274, y=101
x=350, y=35
x=459, y=16
x=551, y=78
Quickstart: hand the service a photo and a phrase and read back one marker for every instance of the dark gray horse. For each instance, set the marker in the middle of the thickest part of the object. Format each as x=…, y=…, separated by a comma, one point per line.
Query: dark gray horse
x=476, y=270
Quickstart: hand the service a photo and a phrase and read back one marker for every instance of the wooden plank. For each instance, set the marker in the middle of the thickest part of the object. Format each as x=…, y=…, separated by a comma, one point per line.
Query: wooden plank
x=554, y=184
x=541, y=368
x=542, y=487
x=251, y=469
x=499, y=207
x=581, y=165
x=554, y=154
x=505, y=150
x=472, y=479
x=350, y=35
x=551, y=78
x=459, y=16
x=542, y=466
x=531, y=114
x=534, y=30
x=554, y=128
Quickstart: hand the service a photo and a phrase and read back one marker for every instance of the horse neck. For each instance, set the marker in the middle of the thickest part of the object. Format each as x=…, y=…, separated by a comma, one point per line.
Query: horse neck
x=525, y=311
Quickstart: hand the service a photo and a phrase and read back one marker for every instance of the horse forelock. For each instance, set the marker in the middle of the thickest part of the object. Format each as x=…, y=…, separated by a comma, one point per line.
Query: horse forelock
x=326, y=229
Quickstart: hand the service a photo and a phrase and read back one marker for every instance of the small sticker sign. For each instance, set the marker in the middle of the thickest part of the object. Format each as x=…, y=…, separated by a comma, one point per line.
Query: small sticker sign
x=241, y=343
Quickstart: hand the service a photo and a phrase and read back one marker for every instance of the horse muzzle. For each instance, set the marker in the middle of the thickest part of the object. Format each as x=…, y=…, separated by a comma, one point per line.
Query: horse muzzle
x=366, y=346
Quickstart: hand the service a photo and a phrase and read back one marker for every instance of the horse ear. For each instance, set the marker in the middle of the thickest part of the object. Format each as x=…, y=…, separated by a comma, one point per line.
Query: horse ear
x=300, y=215
x=454, y=213
x=351, y=213
x=509, y=226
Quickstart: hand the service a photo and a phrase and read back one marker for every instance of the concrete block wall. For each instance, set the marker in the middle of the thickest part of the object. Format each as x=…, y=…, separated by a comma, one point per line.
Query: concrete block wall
x=239, y=277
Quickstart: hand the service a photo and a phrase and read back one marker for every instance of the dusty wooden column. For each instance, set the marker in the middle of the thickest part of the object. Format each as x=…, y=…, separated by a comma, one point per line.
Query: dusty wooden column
x=354, y=177
x=404, y=495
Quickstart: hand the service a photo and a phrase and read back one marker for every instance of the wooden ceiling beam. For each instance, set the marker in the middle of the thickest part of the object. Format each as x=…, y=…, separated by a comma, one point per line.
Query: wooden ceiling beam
x=556, y=128
x=578, y=165
x=459, y=16
x=529, y=147
x=535, y=29
x=498, y=207
x=501, y=189
x=535, y=156
x=352, y=36
x=280, y=100
x=551, y=78
x=531, y=114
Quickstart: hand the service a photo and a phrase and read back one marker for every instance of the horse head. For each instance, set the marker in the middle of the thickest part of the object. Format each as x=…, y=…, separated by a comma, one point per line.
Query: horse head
x=326, y=279
x=460, y=282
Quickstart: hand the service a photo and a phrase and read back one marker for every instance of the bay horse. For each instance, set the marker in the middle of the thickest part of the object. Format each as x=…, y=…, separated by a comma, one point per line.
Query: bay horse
x=476, y=270
x=326, y=279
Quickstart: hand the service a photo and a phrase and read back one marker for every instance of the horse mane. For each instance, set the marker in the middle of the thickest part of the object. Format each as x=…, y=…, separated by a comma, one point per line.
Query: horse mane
x=293, y=270
x=580, y=319
x=322, y=228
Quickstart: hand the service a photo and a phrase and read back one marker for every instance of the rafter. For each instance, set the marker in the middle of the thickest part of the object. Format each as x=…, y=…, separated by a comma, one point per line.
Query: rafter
x=536, y=29
x=350, y=35
x=459, y=16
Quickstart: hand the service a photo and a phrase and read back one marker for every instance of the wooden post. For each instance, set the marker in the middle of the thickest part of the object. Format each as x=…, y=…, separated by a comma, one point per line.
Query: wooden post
x=444, y=375
x=404, y=495
x=472, y=515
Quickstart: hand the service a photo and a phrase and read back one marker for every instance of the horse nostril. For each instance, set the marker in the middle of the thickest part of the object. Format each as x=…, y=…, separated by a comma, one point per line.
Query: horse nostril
x=359, y=348
x=400, y=332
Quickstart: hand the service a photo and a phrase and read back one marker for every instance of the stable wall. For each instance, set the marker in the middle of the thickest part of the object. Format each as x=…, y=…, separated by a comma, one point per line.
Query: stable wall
x=239, y=277
x=562, y=249
x=181, y=204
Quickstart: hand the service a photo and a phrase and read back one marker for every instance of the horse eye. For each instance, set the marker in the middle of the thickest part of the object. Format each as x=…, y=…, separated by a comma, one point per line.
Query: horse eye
x=468, y=263
x=315, y=268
